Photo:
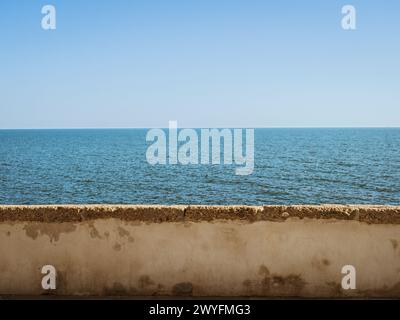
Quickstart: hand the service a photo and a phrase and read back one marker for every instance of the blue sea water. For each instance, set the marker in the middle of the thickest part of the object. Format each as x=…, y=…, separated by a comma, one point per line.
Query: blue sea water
x=292, y=166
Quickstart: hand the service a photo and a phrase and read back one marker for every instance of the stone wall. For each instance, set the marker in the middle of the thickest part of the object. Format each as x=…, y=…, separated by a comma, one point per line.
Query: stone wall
x=271, y=251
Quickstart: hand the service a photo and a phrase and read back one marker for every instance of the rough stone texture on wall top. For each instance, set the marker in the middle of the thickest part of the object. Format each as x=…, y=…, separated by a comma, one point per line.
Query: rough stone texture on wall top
x=160, y=214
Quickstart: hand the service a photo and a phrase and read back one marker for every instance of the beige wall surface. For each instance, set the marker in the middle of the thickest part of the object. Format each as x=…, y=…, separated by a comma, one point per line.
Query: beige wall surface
x=272, y=251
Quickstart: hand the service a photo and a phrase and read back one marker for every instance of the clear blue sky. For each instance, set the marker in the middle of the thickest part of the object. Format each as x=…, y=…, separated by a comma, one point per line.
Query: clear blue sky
x=219, y=63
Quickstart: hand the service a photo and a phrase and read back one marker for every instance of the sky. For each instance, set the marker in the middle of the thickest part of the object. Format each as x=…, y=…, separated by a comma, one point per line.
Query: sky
x=203, y=63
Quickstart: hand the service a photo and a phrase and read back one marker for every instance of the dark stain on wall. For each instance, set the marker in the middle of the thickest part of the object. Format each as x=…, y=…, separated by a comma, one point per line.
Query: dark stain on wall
x=183, y=289
x=53, y=231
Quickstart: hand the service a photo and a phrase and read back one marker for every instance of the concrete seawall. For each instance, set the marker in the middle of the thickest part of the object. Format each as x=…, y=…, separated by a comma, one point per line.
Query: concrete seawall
x=271, y=251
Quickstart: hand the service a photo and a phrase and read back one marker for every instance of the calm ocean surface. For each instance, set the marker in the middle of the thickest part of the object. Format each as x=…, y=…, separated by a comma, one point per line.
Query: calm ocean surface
x=292, y=166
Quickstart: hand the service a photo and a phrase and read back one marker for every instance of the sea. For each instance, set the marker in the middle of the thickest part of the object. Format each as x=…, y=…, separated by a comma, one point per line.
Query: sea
x=291, y=166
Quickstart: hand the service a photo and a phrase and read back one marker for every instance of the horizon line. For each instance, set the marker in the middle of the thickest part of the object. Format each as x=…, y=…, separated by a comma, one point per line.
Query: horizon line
x=214, y=127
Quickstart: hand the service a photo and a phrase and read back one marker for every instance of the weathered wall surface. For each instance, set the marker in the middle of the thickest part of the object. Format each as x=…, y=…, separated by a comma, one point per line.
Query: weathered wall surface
x=274, y=251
